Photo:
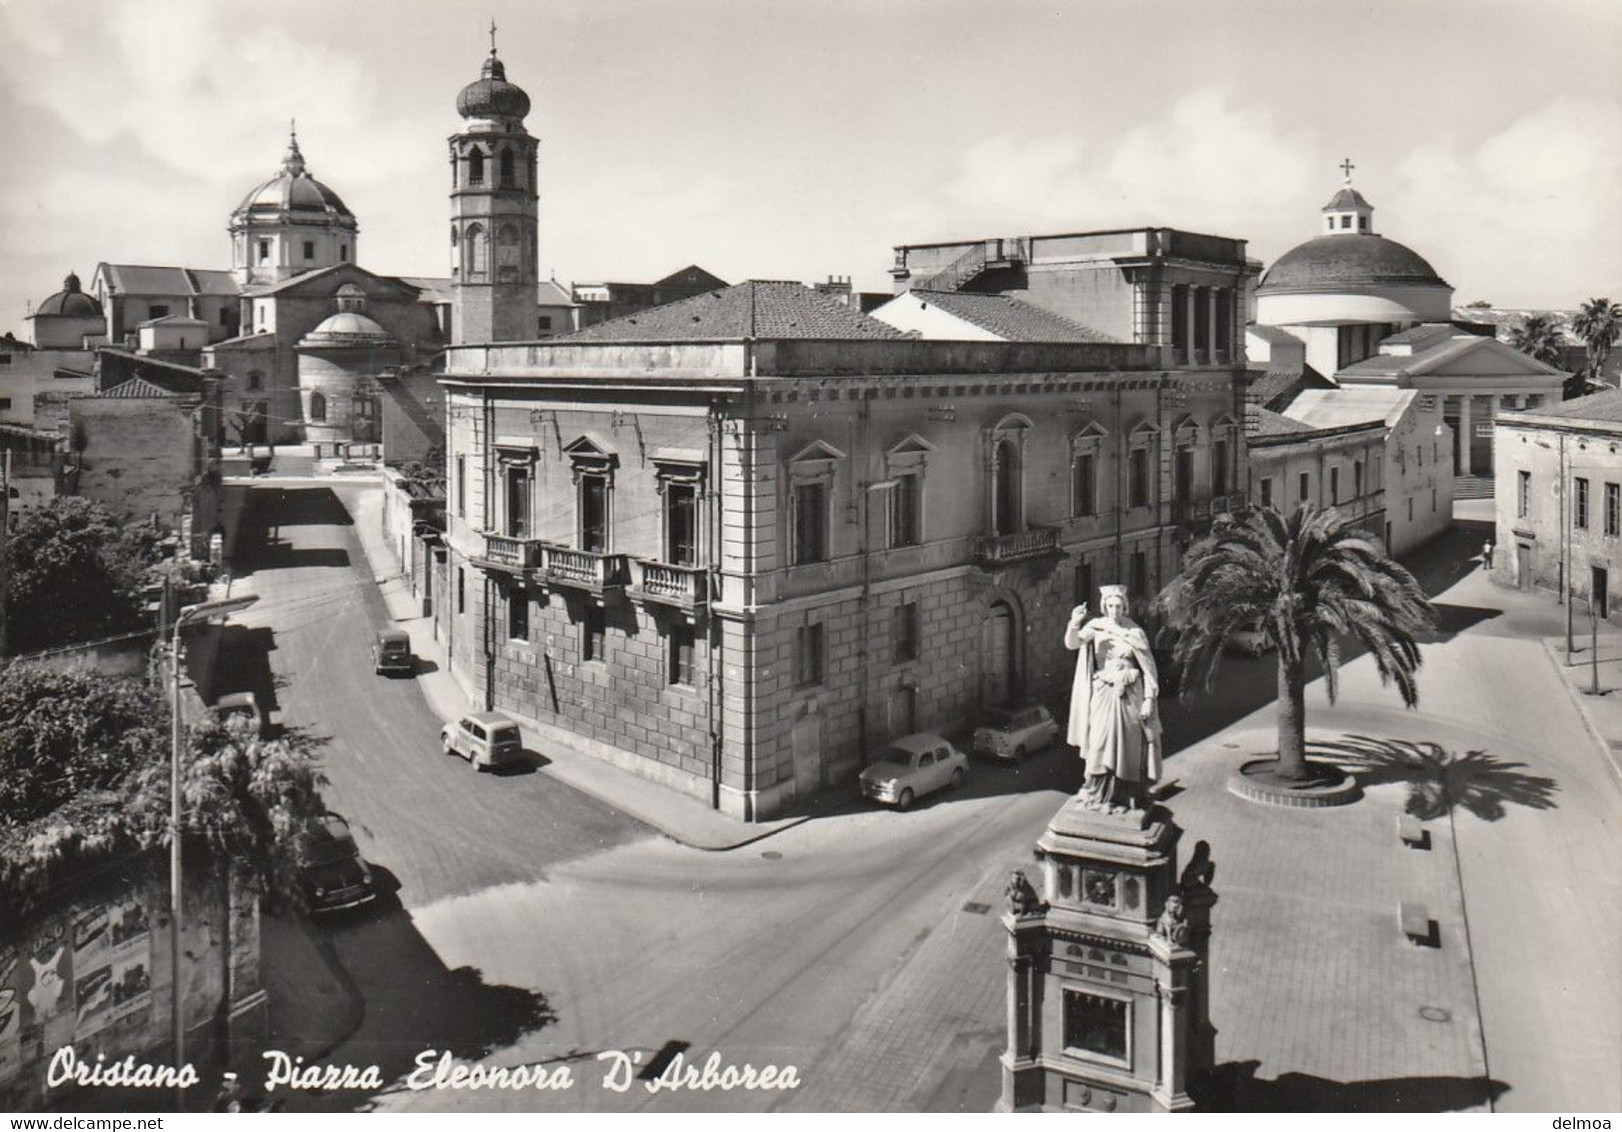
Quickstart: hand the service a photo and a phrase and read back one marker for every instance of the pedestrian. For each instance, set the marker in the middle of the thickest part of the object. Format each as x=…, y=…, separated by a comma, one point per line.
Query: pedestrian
x=1486, y=554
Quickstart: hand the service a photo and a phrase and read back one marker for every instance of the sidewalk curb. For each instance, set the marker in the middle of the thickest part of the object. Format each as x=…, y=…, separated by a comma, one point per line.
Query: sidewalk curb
x=1613, y=757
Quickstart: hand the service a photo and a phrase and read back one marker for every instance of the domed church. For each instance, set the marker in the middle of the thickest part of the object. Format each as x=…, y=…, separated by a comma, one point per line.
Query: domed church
x=290, y=224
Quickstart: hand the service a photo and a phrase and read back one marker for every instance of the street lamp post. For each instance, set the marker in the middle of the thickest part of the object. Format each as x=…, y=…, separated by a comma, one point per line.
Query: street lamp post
x=185, y=617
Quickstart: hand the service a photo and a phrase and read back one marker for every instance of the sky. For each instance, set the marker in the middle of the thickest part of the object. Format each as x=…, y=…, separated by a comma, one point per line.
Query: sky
x=798, y=140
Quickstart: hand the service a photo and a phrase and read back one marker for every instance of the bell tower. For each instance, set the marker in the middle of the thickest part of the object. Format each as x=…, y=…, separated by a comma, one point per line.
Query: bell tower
x=494, y=235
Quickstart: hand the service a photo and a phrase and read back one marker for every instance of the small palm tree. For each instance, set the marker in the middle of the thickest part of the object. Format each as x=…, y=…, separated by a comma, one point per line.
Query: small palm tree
x=1539, y=336
x=1307, y=581
x=1598, y=323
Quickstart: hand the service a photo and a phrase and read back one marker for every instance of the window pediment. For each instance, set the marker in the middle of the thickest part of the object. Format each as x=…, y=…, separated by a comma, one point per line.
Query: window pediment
x=817, y=450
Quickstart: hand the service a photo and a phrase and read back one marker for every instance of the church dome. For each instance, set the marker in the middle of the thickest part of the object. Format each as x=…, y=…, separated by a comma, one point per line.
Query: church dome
x=347, y=328
x=492, y=96
x=1329, y=263
x=70, y=301
x=292, y=190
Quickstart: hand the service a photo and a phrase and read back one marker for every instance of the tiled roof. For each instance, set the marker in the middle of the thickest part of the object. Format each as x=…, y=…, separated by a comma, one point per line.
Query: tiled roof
x=1605, y=406
x=144, y=279
x=434, y=290
x=1265, y=422
x=555, y=294
x=1273, y=388
x=1011, y=319
x=137, y=387
x=757, y=308
x=1354, y=405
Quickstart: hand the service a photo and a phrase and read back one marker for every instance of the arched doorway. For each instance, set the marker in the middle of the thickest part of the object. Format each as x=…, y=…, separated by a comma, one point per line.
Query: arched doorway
x=999, y=666
x=903, y=711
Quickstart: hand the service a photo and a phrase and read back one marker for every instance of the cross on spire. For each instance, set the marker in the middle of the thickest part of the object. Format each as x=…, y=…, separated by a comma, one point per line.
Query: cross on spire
x=492, y=37
x=1346, y=168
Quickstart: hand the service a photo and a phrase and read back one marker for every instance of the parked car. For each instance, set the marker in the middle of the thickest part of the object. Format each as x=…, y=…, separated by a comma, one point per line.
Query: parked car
x=240, y=705
x=1249, y=640
x=331, y=871
x=911, y=767
x=485, y=739
x=1011, y=733
x=391, y=652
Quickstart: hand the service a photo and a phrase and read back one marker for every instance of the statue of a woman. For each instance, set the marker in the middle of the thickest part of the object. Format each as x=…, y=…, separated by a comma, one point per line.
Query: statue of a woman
x=1114, y=715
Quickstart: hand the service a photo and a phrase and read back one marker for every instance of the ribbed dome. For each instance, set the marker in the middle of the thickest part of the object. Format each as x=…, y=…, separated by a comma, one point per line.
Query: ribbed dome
x=1345, y=259
x=292, y=190
x=70, y=301
x=492, y=96
x=347, y=328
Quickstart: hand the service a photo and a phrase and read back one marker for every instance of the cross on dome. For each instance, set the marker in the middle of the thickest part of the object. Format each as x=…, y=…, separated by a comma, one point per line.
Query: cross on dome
x=492, y=37
x=1346, y=168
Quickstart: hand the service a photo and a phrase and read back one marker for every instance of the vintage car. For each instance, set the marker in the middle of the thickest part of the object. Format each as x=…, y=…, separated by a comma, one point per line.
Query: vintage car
x=1011, y=733
x=391, y=652
x=911, y=767
x=486, y=739
x=331, y=872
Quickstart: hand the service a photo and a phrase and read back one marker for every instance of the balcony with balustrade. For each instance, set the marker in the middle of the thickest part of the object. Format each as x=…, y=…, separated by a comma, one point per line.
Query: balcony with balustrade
x=586, y=570
x=661, y=583
x=995, y=551
x=511, y=554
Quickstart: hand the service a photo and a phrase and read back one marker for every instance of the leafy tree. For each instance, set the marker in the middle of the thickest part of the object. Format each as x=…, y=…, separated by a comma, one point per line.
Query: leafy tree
x=75, y=574
x=1308, y=581
x=84, y=776
x=1539, y=336
x=1598, y=323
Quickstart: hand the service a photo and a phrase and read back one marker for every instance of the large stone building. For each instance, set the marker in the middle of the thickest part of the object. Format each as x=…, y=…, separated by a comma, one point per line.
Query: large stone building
x=599, y=302
x=737, y=542
x=1559, y=500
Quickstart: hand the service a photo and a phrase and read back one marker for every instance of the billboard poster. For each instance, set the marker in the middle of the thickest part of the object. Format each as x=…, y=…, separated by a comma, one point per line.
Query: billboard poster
x=12, y=990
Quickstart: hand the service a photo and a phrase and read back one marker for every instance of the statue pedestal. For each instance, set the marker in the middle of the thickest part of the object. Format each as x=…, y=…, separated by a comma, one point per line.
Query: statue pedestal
x=1107, y=1003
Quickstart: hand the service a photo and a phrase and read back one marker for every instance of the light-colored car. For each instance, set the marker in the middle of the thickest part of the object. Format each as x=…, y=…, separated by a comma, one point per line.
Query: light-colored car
x=241, y=705
x=911, y=767
x=1249, y=640
x=1011, y=733
x=485, y=739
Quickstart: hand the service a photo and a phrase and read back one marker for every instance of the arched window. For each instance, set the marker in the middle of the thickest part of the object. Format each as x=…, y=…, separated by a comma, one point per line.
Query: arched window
x=1006, y=499
x=475, y=167
x=506, y=168
x=478, y=250
x=318, y=406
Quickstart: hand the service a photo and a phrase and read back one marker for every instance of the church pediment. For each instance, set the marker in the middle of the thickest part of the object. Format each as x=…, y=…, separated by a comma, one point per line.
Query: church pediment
x=1482, y=357
x=325, y=283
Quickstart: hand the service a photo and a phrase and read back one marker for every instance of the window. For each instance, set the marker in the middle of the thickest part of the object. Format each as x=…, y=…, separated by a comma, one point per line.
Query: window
x=5, y=403
x=506, y=168
x=545, y=324
x=1410, y=508
x=318, y=406
x=343, y=253
x=808, y=656
x=1362, y=223
x=461, y=590
x=1523, y=493
x=904, y=511
x=593, y=505
x=1183, y=489
x=461, y=487
x=1084, y=501
x=264, y=251
x=1084, y=581
x=475, y=167
x=1138, y=478
x=810, y=504
x=1579, y=505
x=309, y=249
x=157, y=310
x=1267, y=491
x=1005, y=494
x=681, y=524
x=1219, y=467
x=1305, y=488
x=592, y=634
x=905, y=631
x=1095, y=1024
x=1419, y=457
x=1334, y=485
x=5, y=359
x=1345, y=221
x=1138, y=582
x=518, y=483
x=1613, y=509
x=1357, y=479
x=1433, y=500
x=478, y=250
x=518, y=614
x=225, y=316
x=681, y=655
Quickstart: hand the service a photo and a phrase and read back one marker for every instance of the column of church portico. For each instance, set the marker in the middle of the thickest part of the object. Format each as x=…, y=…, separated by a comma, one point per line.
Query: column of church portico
x=1465, y=463
x=1191, y=296
x=1211, y=347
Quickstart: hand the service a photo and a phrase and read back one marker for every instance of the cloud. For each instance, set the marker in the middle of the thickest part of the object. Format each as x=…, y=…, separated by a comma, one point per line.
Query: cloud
x=1206, y=164
x=1529, y=216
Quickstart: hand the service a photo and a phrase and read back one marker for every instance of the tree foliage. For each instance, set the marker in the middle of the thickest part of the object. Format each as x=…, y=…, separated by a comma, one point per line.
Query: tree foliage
x=1598, y=323
x=84, y=763
x=75, y=574
x=1307, y=581
x=1539, y=336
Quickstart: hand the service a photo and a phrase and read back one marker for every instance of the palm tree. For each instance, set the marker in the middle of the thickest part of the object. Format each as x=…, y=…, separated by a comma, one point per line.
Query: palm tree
x=1307, y=581
x=1598, y=323
x=1539, y=336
